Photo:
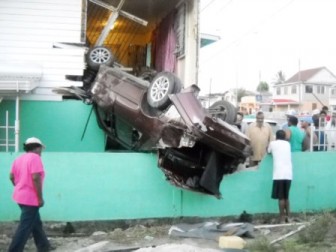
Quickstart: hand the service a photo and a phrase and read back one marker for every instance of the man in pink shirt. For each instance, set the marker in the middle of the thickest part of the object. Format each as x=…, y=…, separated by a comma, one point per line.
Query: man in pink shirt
x=27, y=175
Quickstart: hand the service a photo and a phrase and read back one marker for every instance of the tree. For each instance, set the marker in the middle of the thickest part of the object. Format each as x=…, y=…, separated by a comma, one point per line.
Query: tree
x=241, y=92
x=279, y=77
x=263, y=86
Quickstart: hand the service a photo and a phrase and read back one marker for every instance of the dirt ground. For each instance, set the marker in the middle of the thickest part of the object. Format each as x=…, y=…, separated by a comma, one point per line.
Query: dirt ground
x=152, y=235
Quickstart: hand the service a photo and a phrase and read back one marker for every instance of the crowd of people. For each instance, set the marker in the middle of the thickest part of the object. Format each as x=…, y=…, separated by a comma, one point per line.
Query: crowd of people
x=319, y=130
x=316, y=132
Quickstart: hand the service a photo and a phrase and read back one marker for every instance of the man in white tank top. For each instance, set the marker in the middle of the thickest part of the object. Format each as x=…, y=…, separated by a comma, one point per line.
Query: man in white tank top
x=282, y=172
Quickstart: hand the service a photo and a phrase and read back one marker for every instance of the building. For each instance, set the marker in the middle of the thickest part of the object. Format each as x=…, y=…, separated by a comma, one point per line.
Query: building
x=248, y=104
x=256, y=101
x=209, y=99
x=305, y=91
x=44, y=47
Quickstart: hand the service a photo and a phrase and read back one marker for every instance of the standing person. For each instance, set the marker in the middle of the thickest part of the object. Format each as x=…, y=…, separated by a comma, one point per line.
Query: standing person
x=294, y=135
x=288, y=114
x=27, y=176
x=326, y=110
x=305, y=126
x=323, y=118
x=260, y=134
x=282, y=173
x=241, y=125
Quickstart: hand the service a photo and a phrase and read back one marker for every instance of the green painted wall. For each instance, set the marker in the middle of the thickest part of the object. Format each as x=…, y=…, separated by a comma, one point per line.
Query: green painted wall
x=110, y=186
x=59, y=125
x=84, y=183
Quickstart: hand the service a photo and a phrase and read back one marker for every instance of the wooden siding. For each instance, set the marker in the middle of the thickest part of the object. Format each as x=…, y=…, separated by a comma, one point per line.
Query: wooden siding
x=30, y=28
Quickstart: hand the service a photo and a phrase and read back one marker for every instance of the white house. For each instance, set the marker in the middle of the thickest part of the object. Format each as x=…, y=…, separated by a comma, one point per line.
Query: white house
x=30, y=59
x=305, y=91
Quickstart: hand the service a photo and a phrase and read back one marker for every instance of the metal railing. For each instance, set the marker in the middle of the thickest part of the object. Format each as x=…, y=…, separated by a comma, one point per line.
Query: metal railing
x=7, y=136
x=323, y=137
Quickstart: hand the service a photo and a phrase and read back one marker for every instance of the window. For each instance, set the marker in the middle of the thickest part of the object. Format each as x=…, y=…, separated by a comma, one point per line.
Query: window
x=278, y=91
x=333, y=91
x=309, y=89
x=320, y=89
x=293, y=90
x=286, y=90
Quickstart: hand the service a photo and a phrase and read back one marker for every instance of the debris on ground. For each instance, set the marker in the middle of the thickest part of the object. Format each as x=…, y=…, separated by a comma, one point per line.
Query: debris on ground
x=315, y=233
x=211, y=230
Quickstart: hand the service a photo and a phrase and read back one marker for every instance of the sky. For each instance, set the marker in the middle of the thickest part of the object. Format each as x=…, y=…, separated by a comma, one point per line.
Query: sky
x=259, y=38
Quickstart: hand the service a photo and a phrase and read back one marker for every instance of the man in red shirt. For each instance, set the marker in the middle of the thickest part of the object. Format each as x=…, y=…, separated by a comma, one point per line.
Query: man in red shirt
x=27, y=176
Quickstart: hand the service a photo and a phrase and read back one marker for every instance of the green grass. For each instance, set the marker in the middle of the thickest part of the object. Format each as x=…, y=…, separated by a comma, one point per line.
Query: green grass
x=317, y=231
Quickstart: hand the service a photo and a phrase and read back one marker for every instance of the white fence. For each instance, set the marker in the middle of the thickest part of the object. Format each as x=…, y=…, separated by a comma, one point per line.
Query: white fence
x=324, y=136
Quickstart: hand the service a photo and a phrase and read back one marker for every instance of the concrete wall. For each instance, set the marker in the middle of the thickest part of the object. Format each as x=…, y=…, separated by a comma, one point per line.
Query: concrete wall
x=110, y=186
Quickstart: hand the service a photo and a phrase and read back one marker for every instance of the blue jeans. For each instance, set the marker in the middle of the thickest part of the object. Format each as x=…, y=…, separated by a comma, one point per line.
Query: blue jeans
x=30, y=223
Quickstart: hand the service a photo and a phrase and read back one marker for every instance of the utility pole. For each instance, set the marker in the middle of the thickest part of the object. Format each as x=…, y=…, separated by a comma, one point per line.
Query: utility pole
x=300, y=86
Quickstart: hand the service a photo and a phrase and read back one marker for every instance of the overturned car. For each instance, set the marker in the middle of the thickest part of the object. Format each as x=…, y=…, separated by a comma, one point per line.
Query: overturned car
x=195, y=147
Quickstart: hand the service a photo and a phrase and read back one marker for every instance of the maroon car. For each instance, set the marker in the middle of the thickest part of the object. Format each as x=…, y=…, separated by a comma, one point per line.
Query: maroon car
x=195, y=148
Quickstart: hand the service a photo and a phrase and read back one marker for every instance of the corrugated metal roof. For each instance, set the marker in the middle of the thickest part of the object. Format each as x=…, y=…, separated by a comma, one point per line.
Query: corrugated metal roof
x=126, y=33
x=304, y=75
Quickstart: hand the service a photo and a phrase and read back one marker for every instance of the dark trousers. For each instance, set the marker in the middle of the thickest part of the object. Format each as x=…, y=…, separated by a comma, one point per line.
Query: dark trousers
x=30, y=223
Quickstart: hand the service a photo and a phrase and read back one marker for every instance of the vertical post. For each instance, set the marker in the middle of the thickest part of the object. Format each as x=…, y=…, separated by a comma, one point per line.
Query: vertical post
x=17, y=122
x=312, y=134
x=6, y=129
x=300, y=87
x=209, y=101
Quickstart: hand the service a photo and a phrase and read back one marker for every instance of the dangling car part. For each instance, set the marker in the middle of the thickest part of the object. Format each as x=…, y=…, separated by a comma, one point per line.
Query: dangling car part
x=195, y=150
x=223, y=110
x=98, y=54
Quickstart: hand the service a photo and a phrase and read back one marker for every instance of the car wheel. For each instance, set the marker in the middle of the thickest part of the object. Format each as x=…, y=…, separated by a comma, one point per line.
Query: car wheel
x=224, y=110
x=160, y=88
x=99, y=55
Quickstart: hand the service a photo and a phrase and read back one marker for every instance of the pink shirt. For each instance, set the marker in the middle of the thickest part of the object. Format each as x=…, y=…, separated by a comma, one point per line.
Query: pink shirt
x=23, y=169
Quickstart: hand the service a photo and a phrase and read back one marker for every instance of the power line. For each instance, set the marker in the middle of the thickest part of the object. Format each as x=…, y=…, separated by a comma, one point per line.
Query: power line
x=221, y=9
x=225, y=6
x=211, y=2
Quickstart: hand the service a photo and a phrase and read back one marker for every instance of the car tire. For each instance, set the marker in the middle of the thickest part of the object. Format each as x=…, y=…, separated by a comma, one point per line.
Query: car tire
x=160, y=88
x=225, y=111
x=99, y=55
x=178, y=85
x=147, y=74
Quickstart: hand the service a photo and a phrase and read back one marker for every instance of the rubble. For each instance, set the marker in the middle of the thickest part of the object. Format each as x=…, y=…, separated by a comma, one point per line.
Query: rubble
x=153, y=235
